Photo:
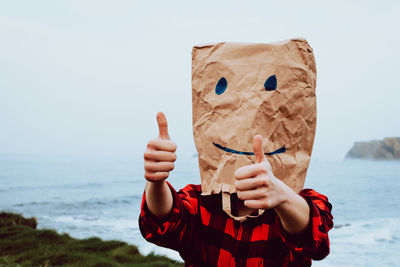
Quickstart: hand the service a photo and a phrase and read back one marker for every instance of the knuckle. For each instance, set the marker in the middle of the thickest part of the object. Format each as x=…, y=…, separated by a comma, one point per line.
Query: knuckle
x=147, y=155
x=260, y=182
x=147, y=166
x=263, y=167
x=173, y=147
x=259, y=168
x=265, y=181
x=172, y=166
x=152, y=143
x=237, y=185
x=263, y=191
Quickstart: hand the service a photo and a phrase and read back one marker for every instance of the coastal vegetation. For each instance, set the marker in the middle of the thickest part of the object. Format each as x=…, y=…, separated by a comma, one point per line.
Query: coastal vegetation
x=22, y=244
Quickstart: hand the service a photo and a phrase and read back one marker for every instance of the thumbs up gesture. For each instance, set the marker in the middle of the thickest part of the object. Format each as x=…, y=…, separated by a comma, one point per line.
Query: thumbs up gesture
x=257, y=185
x=160, y=155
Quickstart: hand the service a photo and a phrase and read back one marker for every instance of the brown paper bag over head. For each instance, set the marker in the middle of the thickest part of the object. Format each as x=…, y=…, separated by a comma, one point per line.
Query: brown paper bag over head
x=241, y=90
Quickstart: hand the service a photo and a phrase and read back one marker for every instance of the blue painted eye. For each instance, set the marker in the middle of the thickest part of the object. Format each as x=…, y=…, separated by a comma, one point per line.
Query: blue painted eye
x=271, y=83
x=221, y=86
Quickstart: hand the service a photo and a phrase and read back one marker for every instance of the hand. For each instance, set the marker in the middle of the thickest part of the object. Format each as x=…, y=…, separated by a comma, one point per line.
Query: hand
x=257, y=185
x=160, y=155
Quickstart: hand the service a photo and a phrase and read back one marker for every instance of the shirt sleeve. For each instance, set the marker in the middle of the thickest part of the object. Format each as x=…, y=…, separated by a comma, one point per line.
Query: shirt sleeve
x=313, y=242
x=171, y=230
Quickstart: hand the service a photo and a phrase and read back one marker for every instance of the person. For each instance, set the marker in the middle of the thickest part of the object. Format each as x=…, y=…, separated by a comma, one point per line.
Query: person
x=292, y=230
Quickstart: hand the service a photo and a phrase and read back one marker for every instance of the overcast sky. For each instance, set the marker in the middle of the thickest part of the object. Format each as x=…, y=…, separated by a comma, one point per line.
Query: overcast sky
x=87, y=77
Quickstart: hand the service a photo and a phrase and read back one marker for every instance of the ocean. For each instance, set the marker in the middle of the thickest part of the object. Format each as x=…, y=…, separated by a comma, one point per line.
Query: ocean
x=100, y=196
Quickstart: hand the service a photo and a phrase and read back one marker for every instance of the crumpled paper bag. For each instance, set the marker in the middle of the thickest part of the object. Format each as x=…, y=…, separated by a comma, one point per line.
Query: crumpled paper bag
x=241, y=90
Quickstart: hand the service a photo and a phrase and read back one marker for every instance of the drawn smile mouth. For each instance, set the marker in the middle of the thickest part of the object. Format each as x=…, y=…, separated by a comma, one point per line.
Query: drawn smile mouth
x=229, y=150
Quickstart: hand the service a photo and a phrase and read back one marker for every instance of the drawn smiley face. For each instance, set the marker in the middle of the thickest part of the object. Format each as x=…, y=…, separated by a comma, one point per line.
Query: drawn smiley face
x=269, y=85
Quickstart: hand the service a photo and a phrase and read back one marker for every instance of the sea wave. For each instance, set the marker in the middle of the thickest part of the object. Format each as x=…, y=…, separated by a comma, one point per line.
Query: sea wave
x=374, y=239
x=369, y=232
x=86, y=204
x=82, y=221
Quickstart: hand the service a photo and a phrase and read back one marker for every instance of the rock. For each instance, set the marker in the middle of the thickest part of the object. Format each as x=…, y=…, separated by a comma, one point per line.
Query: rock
x=386, y=149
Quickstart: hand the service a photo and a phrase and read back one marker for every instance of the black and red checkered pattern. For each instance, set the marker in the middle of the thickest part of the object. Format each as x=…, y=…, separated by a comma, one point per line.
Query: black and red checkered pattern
x=205, y=235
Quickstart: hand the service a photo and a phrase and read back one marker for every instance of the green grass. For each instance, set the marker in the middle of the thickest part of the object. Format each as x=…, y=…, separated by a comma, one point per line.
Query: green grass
x=21, y=244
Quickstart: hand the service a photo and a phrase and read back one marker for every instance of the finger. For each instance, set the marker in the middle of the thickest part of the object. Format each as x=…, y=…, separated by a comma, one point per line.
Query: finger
x=252, y=194
x=251, y=183
x=155, y=176
x=255, y=203
x=162, y=126
x=156, y=155
x=162, y=145
x=151, y=166
x=258, y=149
x=249, y=171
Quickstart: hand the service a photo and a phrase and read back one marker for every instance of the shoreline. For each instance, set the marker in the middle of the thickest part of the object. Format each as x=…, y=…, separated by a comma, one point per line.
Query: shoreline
x=22, y=244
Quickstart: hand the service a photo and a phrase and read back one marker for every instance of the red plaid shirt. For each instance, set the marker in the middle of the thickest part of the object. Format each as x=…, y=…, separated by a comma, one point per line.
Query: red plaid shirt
x=205, y=235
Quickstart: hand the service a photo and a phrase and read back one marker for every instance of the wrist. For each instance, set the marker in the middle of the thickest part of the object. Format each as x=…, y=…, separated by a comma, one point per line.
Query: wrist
x=156, y=185
x=286, y=196
x=159, y=198
x=294, y=212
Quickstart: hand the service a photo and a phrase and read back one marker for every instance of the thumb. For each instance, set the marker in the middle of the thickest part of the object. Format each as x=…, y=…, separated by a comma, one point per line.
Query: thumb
x=258, y=149
x=162, y=126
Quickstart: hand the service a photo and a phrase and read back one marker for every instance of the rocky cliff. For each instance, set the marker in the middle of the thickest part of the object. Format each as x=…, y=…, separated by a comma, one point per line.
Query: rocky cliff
x=386, y=149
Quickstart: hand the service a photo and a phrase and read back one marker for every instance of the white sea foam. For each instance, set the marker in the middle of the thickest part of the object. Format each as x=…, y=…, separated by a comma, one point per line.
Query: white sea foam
x=365, y=243
x=85, y=221
x=368, y=233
